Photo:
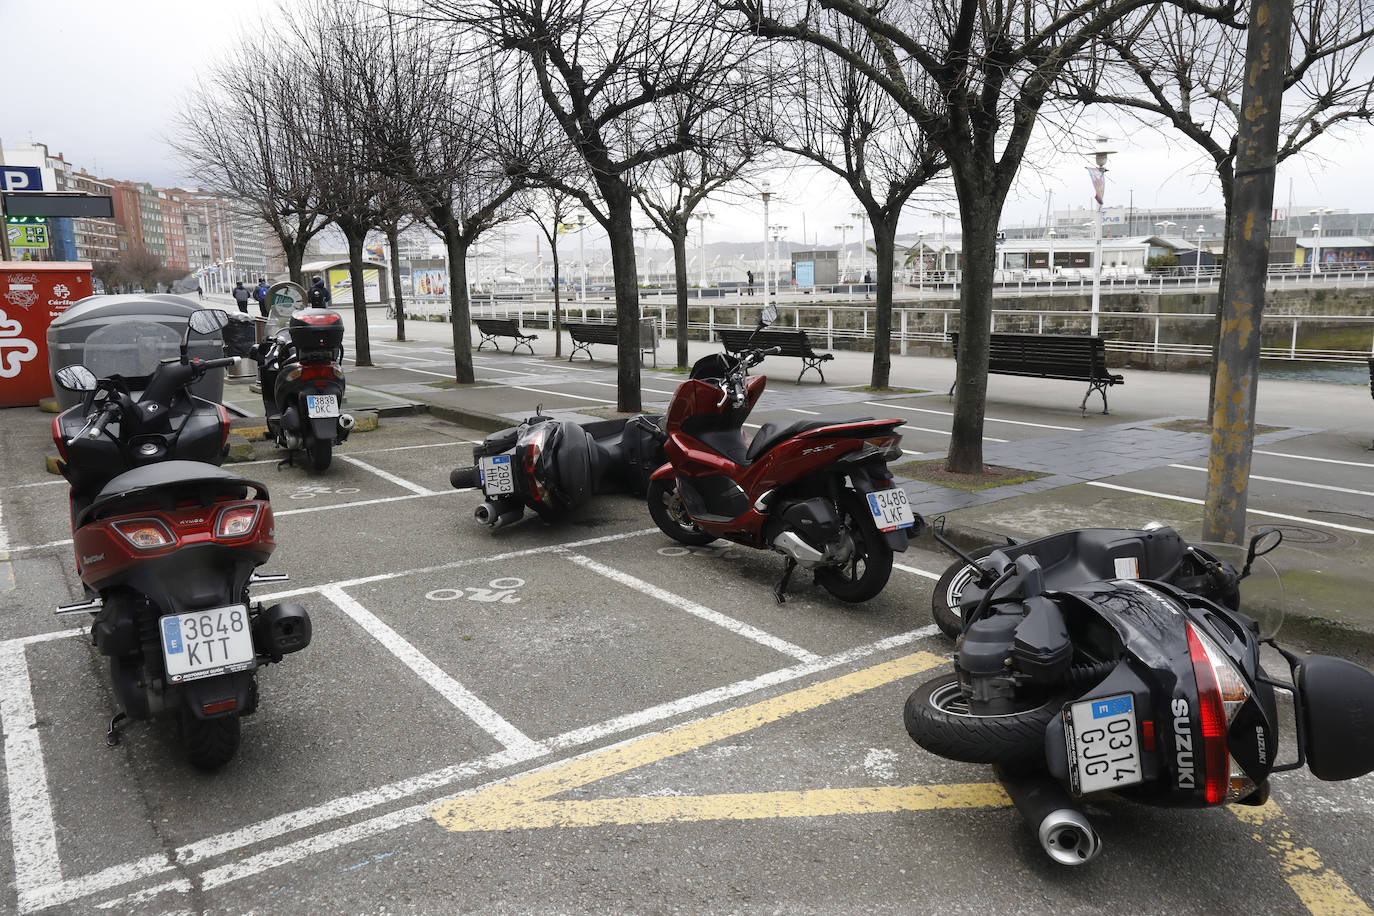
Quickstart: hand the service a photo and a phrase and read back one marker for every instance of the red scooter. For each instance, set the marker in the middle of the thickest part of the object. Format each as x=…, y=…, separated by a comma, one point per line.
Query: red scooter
x=817, y=491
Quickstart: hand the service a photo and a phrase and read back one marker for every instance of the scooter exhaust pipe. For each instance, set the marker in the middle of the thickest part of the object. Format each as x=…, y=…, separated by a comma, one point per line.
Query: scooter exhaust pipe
x=495, y=515
x=346, y=422
x=1064, y=832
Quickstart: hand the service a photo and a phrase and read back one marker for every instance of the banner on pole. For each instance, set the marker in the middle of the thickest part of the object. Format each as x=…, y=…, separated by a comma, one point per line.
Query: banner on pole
x=1099, y=179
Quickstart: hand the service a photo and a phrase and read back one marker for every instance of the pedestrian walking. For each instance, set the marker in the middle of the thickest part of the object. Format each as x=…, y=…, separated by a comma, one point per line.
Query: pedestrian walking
x=241, y=295
x=750, y=275
x=260, y=294
x=318, y=296
x=200, y=293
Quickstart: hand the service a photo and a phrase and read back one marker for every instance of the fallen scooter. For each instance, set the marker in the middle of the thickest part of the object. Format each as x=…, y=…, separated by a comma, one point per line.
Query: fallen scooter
x=1136, y=687
x=554, y=467
x=166, y=547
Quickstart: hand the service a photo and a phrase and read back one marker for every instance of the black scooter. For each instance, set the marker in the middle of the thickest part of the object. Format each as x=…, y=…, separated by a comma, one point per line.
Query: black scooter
x=300, y=371
x=1128, y=685
x=166, y=547
x=555, y=466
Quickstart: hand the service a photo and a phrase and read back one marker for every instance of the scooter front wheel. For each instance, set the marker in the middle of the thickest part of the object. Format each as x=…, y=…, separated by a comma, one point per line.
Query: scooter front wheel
x=866, y=572
x=944, y=601
x=938, y=718
x=668, y=513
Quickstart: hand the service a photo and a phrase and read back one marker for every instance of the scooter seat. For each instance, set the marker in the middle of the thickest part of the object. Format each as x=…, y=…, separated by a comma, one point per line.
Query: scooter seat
x=165, y=474
x=770, y=434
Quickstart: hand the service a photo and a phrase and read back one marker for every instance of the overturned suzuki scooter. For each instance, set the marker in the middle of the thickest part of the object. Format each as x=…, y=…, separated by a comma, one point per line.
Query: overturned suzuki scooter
x=1142, y=688
x=555, y=466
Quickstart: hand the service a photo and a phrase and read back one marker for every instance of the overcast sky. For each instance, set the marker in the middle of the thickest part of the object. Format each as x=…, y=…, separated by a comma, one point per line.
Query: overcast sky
x=98, y=81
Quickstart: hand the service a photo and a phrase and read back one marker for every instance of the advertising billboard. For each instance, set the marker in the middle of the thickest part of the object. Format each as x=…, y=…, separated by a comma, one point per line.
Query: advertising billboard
x=429, y=282
x=341, y=288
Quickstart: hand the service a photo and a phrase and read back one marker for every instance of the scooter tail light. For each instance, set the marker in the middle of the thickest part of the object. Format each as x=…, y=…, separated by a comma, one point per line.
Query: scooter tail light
x=313, y=371
x=534, y=447
x=888, y=447
x=145, y=533
x=236, y=523
x=1221, y=691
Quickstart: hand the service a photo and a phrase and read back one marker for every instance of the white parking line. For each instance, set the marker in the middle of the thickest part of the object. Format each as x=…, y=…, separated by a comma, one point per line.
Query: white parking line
x=388, y=476
x=814, y=413
x=946, y=413
x=1284, y=480
x=463, y=699
x=1198, y=502
x=945, y=432
x=1353, y=464
x=641, y=387
x=420, y=371
x=916, y=572
x=739, y=628
x=41, y=483
x=561, y=394
x=33, y=834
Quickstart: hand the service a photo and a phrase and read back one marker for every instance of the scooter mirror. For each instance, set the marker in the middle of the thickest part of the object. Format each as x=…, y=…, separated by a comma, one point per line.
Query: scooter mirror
x=76, y=378
x=208, y=321
x=768, y=315
x=1261, y=544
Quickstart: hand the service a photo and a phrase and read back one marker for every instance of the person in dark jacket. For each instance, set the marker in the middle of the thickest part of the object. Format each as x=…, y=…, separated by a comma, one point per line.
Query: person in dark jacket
x=241, y=296
x=318, y=296
x=260, y=294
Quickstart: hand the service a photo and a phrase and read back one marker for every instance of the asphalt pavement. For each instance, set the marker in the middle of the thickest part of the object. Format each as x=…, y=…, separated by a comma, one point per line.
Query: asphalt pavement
x=593, y=718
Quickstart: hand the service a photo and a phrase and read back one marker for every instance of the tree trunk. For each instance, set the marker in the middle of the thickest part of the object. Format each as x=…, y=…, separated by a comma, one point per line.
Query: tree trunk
x=884, y=246
x=393, y=241
x=362, y=348
x=557, y=313
x=979, y=223
x=294, y=252
x=679, y=240
x=1227, y=176
x=1233, y=418
x=620, y=233
x=460, y=314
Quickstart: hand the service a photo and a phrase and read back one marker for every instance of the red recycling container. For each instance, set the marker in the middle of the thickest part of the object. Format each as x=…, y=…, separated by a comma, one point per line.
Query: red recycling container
x=32, y=294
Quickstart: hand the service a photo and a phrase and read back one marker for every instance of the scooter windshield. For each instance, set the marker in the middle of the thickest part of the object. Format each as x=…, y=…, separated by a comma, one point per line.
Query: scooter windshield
x=713, y=368
x=1262, y=595
x=131, y=348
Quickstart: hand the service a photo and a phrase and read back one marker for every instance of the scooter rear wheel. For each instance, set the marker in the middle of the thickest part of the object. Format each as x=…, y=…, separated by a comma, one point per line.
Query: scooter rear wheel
x=321, y=453
x=209, y=743
x=938, y=719
x=944, y=601
x=864, y=576
x=668, y=513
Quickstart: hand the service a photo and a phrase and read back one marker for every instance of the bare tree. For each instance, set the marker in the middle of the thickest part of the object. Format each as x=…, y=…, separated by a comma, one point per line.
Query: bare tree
x=440, y=119
x=552, y=211
x=831, y=114
x=627, y=84
x=395, y=218
x=139, y=267
x=1189, y=72
x=238, y=135
x=974, y=76
x=673, y=188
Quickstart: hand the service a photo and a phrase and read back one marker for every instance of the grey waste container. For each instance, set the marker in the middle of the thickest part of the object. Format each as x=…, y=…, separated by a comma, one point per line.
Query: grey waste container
x=128, y=335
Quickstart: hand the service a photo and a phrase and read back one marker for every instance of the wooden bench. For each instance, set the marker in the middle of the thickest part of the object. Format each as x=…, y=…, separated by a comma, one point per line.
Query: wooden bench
x=585, y=334
x=1071, y=357
x=789, y=343
x=492, y=328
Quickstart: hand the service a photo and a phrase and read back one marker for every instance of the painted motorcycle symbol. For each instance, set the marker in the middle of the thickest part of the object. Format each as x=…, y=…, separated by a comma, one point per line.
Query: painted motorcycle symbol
x=499, y=590
x=310, y=491
x=14, y=350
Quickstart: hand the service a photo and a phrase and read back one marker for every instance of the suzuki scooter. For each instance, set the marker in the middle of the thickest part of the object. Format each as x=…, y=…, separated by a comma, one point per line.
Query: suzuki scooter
x=1086, y=555
x=166, y=547
x=817, y=491
x=553, y=467
x=300, y=371
x=1136, y=687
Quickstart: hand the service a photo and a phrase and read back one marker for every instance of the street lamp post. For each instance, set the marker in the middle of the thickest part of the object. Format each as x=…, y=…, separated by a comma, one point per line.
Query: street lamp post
x=1317, y=249
x=701, y=232
x=921, y=265
x=778, y=232
x=862, y=219
x=765, y=194
x=844, y=244
x=582, y=257
x=1100, y=156
x=1050, y=259
x=1200, y=229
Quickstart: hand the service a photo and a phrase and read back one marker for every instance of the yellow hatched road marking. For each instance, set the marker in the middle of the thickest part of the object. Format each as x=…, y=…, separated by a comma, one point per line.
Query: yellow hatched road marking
x=497, y=803
x=1320, y=889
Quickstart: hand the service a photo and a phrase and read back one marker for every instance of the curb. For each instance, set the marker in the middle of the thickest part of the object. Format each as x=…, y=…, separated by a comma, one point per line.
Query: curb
x=469, y=418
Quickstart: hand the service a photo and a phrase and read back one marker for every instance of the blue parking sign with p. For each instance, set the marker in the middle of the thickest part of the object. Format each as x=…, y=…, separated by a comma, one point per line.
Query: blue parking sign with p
x=20, y=178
